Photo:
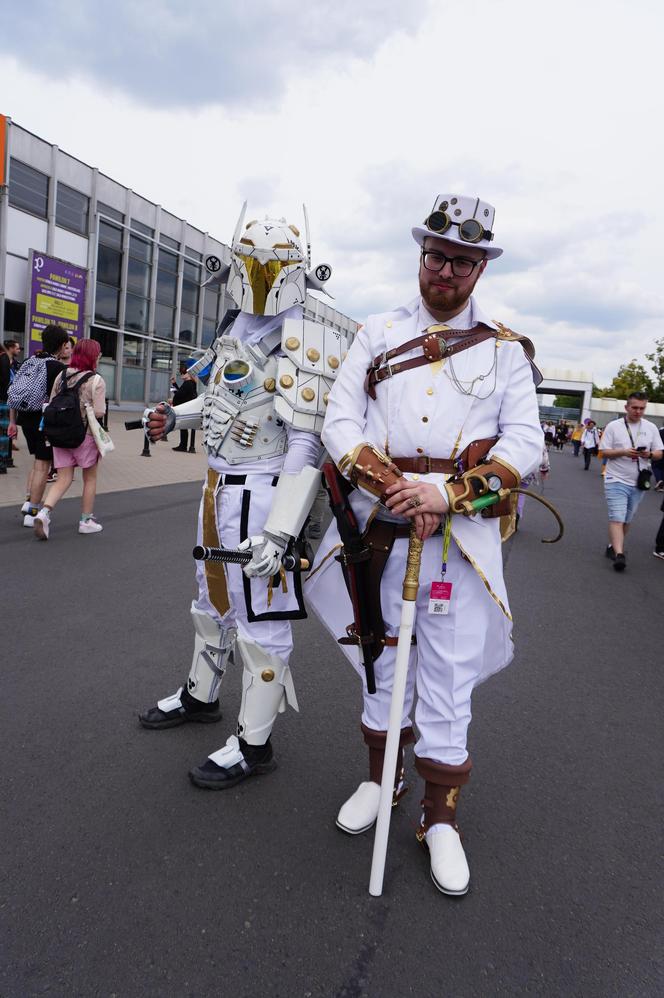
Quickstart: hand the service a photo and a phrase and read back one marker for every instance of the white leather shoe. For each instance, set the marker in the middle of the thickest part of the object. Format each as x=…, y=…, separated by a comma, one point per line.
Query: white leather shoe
x=360, y=811
x=449, y=867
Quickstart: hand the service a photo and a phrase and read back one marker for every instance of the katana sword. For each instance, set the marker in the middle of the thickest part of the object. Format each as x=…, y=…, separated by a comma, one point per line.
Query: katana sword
x=234, y=557
x=411, y=584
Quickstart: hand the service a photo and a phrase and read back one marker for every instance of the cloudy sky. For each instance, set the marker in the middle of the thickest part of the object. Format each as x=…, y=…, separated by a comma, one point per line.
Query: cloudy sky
x=365, y=110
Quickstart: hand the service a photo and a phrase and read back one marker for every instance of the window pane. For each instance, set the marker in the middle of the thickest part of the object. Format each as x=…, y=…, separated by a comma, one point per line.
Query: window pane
x=106, y=307
x=139, y=248
x=14, y=319
x=193, y=253
x=138, y=277
x=140, y=227
x=163, y=321
x=105, y=209
x=209, y=332
x=136, y=313
x=192, y=272
x=168, y=261
x=109, y=264
x=167, y=285
x=110, y=235
x=211, y=304
x=187, y=327
x=162, y=357
x=189, y=296
x=167, y=241
x=71, y=210
x=133, y=384
x=134, y=352
x=107, y=339
x=28, y=189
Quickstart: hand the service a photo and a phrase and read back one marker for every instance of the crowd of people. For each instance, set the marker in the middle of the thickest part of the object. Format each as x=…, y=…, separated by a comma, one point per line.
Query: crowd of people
x=631, y=449
x=63, y=367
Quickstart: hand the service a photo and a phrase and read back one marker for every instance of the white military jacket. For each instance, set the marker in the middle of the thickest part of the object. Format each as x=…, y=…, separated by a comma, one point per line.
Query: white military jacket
x=437, y=410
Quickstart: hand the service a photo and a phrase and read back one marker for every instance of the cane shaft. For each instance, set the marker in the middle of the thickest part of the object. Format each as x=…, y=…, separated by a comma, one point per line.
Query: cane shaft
x=410, y=586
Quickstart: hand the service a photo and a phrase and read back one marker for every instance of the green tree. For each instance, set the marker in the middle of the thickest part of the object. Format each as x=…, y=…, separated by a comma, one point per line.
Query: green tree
x=631, y=377
x=567, y=402
x=656, y=359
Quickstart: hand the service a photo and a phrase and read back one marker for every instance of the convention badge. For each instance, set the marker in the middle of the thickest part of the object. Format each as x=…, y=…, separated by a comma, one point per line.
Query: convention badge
x=439, y=597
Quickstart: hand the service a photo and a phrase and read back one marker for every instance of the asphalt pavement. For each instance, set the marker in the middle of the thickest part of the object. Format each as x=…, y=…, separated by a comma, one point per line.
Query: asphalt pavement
x=120, y=878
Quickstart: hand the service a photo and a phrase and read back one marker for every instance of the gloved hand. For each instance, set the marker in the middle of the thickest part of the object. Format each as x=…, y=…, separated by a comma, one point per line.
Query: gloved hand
x=158, y=422
x=267, y=552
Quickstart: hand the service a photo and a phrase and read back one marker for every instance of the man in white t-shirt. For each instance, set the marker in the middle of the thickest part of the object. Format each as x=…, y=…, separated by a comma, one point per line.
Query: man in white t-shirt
x=629, y=444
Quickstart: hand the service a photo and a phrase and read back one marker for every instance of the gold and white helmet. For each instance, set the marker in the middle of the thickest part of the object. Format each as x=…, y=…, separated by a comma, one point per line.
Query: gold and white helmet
x=268, y=270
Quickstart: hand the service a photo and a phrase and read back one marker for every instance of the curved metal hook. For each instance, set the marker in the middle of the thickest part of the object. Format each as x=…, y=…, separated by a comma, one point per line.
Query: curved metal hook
x=551, y=508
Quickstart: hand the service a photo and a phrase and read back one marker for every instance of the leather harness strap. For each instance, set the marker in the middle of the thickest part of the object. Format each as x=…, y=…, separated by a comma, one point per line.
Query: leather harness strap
x=434, y=347
x=425, y=465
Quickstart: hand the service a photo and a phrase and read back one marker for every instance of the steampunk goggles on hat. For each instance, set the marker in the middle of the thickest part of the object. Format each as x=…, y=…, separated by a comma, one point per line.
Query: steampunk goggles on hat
x=470, y=230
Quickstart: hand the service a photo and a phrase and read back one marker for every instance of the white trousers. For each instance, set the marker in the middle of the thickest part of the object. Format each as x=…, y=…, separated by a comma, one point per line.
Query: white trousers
x=241, y=511
x=452, y=655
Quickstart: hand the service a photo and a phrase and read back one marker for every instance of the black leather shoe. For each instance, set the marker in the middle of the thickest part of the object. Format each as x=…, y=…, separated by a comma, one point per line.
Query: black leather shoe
x=619, y=563
x=610, y=553
x=189, y=710
x=236, y=761
x=183, y=450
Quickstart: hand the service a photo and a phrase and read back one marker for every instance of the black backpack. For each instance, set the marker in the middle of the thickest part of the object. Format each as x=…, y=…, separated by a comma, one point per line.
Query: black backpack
x=64, y=425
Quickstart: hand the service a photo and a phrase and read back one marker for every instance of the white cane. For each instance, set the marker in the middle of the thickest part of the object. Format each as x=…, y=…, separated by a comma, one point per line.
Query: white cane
x=410, y=587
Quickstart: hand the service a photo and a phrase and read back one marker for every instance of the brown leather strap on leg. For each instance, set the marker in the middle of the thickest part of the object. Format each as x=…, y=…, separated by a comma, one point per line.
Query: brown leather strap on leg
x=441, y=791
x=376, y=741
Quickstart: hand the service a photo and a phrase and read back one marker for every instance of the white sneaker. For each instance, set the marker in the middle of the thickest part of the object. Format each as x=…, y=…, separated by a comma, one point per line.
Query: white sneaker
x=89, y=526
x=42, y=524
x=449, y=866
x=658, y=554
x=360, y=811
x=28, y=520
x=26, y=507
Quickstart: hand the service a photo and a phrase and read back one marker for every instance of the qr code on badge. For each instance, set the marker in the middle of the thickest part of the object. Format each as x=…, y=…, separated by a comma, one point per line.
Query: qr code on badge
x=441, y=606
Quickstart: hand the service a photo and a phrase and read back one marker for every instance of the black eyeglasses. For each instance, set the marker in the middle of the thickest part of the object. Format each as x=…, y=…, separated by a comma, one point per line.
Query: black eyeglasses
x=461, y=266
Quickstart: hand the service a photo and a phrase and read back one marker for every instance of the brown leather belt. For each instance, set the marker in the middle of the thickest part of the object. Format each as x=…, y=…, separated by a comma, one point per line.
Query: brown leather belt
x=425, y=465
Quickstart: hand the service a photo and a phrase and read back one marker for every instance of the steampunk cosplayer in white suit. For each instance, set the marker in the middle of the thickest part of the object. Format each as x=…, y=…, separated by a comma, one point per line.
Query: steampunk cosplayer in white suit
x=422, y=417
x=261, y=414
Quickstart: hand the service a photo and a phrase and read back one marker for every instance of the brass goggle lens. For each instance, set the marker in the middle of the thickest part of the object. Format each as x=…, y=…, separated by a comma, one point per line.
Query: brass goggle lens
x=471, y=231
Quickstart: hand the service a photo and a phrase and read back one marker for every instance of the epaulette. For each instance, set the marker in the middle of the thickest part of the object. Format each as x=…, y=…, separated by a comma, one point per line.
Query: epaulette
x=509, y=336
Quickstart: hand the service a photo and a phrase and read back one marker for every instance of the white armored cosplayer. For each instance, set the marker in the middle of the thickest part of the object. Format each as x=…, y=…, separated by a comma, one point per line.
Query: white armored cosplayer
x=262, y=411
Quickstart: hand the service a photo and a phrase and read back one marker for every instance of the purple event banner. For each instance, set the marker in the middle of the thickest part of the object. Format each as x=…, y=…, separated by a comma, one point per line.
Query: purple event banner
x=57, y=295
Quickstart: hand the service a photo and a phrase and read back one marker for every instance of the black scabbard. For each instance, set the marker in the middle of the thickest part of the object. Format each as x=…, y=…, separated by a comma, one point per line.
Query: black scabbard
x=354, y=561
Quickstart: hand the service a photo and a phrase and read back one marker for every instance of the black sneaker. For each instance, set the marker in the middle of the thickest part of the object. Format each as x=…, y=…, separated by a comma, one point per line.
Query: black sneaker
x=236, y=761
x=610, y=553
x=619, y=563
x=185, y=709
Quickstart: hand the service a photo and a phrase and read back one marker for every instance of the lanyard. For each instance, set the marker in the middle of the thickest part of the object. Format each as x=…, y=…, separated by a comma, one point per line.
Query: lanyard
x=629, y=432
x=447, y=533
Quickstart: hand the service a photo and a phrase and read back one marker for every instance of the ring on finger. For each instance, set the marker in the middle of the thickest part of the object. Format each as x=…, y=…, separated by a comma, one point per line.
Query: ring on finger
x=414, y=502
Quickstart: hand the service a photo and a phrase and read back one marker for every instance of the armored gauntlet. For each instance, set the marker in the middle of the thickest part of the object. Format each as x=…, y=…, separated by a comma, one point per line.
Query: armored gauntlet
x=370, y=469
x=481, y=488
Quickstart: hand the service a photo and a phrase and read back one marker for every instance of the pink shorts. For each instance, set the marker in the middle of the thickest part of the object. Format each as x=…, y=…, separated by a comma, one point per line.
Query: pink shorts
x=85, y=455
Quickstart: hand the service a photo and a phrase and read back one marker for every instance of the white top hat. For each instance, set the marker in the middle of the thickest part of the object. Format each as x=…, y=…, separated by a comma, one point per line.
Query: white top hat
x=460, y=219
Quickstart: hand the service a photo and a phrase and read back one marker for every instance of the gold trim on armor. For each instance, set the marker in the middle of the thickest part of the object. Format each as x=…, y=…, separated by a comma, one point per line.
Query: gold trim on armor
x=308, y=394
x=270, y=385
x=215, y=573
x=333, y=362
x=313, y=355
x=267, y=675
x=510, y=467
x=286, y=381
x=292, y=343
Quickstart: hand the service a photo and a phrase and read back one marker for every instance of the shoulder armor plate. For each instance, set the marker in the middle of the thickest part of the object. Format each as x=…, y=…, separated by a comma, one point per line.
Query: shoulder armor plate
x=313, y=355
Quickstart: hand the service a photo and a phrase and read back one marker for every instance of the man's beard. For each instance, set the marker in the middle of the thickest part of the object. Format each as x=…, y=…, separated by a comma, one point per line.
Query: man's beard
x=448, y=300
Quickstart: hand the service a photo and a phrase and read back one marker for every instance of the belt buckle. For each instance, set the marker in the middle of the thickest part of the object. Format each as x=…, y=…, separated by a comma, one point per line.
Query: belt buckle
x=427, y=464
x=442, y=345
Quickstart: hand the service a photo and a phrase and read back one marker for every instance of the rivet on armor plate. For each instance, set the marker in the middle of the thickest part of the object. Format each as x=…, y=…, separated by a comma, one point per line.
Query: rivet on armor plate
x=313, y=355
x=308, y=394
x=425, y=419
x=326, y=397
x=286, y=381
x=333, y=362
x=429, y=391
x=292, y=343
x=267, y=675
x=270, y=385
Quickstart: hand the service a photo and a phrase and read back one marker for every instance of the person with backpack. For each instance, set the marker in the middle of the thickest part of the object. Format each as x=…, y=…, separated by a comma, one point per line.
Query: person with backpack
x=66, y=426
x=27, y=396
